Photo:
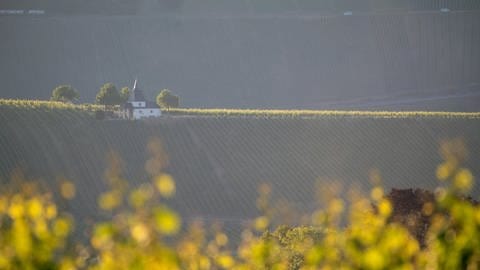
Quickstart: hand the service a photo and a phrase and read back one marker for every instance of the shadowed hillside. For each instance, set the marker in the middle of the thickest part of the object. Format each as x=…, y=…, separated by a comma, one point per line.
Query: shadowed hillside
x=108, y=7
x=218, y=162
x=405, y=58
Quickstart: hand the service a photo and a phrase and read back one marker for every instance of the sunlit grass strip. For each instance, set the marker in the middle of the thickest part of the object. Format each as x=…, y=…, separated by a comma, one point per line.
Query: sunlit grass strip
x=267, y=113
x=319, y=113
x=46, y=104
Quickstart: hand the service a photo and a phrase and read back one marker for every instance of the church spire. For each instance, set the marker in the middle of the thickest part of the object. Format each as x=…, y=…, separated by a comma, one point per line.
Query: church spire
x=135, y=84
x=137, y=92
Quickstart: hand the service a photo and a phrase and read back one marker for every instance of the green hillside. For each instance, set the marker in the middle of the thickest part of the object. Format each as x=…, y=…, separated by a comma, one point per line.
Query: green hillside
x=219, y=161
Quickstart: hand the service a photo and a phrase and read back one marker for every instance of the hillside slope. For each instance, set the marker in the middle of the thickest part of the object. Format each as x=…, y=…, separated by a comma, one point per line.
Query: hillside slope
x=292, y=59
x=218, y=162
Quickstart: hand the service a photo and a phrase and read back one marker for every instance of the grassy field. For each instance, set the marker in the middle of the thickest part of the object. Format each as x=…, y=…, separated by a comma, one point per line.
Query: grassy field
x=218, y=162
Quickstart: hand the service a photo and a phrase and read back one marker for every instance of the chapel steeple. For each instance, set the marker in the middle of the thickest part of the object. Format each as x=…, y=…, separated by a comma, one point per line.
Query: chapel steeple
x=137, y=92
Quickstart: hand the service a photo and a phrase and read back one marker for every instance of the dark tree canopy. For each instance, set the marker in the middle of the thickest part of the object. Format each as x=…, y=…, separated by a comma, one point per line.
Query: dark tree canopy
x=108, y=95
x=64, y=93
x=124, y=94
x=167, y=100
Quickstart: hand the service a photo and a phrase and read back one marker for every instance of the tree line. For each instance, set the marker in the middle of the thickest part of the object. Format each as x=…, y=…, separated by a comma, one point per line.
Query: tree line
x=108, y=95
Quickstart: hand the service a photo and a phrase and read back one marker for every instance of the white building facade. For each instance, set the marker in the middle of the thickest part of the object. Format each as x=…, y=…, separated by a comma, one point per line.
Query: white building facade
x=137, y=107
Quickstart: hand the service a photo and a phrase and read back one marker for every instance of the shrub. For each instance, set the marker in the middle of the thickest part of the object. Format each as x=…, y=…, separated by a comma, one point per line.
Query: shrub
x=64, y=93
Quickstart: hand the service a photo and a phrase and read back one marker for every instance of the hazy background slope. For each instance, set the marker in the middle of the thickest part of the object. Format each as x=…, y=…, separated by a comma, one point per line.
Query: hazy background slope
x=282, y=54
x=108, y=7
x=218, y=163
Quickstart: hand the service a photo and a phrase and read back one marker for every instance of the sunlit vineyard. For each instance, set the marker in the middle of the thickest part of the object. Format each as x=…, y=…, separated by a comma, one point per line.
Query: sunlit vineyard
x=319, y=113
x=264, y=113
x=46, y=104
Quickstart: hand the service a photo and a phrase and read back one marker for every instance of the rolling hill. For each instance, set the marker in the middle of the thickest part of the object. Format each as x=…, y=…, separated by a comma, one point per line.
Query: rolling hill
x=218, y=161
x=406, y=55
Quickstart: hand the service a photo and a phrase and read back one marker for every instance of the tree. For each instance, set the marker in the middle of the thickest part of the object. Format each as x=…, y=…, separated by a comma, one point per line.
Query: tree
x=108, y=95
x=167, y=100
x=64, y=93
x=124, y=94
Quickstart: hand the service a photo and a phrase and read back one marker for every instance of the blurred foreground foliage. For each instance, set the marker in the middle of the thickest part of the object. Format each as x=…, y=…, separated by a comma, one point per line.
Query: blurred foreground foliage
x=144, y=233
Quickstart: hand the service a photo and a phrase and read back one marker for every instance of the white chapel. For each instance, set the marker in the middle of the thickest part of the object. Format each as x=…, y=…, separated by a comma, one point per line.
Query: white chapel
x=137, y=107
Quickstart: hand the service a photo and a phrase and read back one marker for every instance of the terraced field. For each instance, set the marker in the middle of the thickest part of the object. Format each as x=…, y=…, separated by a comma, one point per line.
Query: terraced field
x=218, y=162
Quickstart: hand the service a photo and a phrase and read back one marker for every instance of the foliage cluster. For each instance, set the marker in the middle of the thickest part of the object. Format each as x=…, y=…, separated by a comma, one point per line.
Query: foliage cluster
x=33, y=233
x=109, y=95
x=318, y=113
x=64, y=93
x=144, y=233
x=166, y=99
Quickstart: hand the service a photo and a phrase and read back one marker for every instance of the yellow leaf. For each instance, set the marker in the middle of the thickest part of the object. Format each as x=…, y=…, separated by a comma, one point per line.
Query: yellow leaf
x=41, y=229
x=373, y=259
x=16, y=210
x=225, y=261
x=22, y=241
x=140, y=196
x=444, y=170
x=61, y=227
x=109, y=200
x=67, y=189
x=167, y=221
x=140, y=233
x=221, y=239
x=463, y=180
x=384, y=208
x=51, y=211
x=376, y=194
x=3, y=204
x=261, y=223
x=165, y=185
x=34, y=208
